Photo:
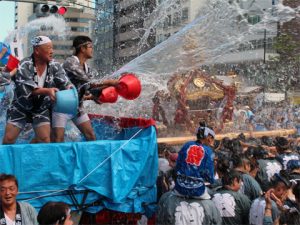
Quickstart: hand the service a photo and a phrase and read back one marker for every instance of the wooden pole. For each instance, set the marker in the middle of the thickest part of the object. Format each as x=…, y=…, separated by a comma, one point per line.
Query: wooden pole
x=257, y=134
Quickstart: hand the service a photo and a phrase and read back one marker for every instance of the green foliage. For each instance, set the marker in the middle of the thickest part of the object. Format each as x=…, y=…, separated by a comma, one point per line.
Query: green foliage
x=287, y=47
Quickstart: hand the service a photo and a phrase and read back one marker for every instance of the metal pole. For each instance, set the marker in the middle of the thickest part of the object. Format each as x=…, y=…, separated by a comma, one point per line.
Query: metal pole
x=265, y=44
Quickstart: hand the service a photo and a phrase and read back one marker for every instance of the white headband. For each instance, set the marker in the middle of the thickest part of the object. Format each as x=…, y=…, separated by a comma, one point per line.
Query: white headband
x=209, y=131
x=40, y=40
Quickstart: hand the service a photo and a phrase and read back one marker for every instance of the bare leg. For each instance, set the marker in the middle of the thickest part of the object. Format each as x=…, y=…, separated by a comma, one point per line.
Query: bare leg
x=42, y=133
x=33, y=140
x=11, y=134
x=58, y=134
x=87, y=130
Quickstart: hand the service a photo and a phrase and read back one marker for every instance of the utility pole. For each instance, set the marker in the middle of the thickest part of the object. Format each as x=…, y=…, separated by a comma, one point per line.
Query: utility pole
x=265, y=45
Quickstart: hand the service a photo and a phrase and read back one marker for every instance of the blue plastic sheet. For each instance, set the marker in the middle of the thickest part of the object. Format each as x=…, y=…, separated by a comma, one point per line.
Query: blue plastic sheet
x=119, y=174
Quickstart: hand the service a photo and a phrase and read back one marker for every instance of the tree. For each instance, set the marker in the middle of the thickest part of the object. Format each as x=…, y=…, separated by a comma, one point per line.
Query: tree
x=288, y=62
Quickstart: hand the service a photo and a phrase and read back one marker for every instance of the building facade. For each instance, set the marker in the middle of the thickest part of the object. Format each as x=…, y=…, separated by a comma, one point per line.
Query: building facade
x=104, y=37
x=119, y=29
x=79, y=20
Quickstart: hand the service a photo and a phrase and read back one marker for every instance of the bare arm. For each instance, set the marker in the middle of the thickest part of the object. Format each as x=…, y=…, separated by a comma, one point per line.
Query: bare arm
x=105, y=84
x=2, y=53
x=45, y=91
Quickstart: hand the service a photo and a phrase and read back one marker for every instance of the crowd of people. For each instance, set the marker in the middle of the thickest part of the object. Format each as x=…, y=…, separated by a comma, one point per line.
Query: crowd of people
x=232, y=181
x=265, y=118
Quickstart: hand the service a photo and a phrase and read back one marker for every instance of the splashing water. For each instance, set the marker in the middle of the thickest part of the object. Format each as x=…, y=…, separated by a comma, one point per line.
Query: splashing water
x=188, y=49
x=53, y=25
x=218, y=30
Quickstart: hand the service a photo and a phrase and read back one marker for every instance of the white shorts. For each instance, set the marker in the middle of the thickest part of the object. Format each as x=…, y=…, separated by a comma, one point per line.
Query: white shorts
x=61, y=119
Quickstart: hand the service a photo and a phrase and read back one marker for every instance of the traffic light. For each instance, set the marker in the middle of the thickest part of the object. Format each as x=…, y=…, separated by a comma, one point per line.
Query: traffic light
x=43, y=10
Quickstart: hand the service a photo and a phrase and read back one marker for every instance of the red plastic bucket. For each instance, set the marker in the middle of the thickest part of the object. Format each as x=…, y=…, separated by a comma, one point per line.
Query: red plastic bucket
x=108, y=95
x=129, y=86
x=12, y=63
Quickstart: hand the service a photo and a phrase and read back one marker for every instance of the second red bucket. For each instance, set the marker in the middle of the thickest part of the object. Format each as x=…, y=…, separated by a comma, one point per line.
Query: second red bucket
x=108, y=95
x=129, y=86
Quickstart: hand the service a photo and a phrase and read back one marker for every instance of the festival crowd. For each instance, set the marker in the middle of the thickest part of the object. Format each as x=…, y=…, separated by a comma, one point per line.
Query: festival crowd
x=232, y=181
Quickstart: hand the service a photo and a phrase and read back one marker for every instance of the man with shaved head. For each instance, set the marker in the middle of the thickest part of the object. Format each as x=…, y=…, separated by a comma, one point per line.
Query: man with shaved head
x=37, y=79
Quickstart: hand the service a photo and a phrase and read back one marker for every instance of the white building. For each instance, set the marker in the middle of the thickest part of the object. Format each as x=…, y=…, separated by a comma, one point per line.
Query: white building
x=79, y=18
x=177, y=18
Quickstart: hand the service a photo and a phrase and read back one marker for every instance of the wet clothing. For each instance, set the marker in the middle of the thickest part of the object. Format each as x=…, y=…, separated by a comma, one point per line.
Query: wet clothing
x=286, y=157
x=35, y=109
x=174, y=209
x=250, y=187
x=194, y=167
x=61, y=119
x=79, y=76
x=5, y=78
x=257, y=211
x=233, y=206
x=267, y=169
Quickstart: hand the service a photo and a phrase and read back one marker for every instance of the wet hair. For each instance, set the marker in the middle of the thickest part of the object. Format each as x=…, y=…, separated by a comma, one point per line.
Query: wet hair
x=161, y=148
x=265, y=140
x=239, y=160
x=223, y=165
x=259, y=152
x=217, y=144
x=282, y=143
x=80, y=41
x=281, y=177
x=296, y=191
x=230, y=176
x=204, y=131
x=226, y=142
x=249, y=153
x=241, y=137
x=253, y=141
x=236, y=146
x=53, y=212
x=10, y=177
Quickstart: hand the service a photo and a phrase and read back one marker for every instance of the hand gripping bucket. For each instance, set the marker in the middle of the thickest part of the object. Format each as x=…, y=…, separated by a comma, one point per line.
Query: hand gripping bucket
x=108, y=95
x=67, y=101
x=129, y=86
x=12, y=63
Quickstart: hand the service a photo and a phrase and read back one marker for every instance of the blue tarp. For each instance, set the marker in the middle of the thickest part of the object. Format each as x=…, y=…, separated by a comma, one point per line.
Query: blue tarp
x=120, y=174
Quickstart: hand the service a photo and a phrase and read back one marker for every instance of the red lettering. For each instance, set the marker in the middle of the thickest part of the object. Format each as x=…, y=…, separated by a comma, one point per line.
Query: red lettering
x=195, y=154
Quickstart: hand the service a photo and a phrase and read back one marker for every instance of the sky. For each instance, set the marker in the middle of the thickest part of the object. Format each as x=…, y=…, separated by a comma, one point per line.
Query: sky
x=7, y=13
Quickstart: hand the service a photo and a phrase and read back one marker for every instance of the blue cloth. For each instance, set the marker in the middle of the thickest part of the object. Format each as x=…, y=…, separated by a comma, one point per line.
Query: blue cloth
x=4, y=59
x=125, y=182
x=194, y=166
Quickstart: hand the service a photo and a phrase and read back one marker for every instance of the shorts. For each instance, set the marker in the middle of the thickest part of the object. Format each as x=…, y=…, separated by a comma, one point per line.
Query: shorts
x=19, y=117
x=61, y=119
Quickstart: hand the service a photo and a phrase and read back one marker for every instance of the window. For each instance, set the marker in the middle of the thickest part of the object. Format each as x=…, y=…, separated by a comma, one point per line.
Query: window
x=176, y=20
x=79, y=29
x=253, y=19
x=185, y=14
